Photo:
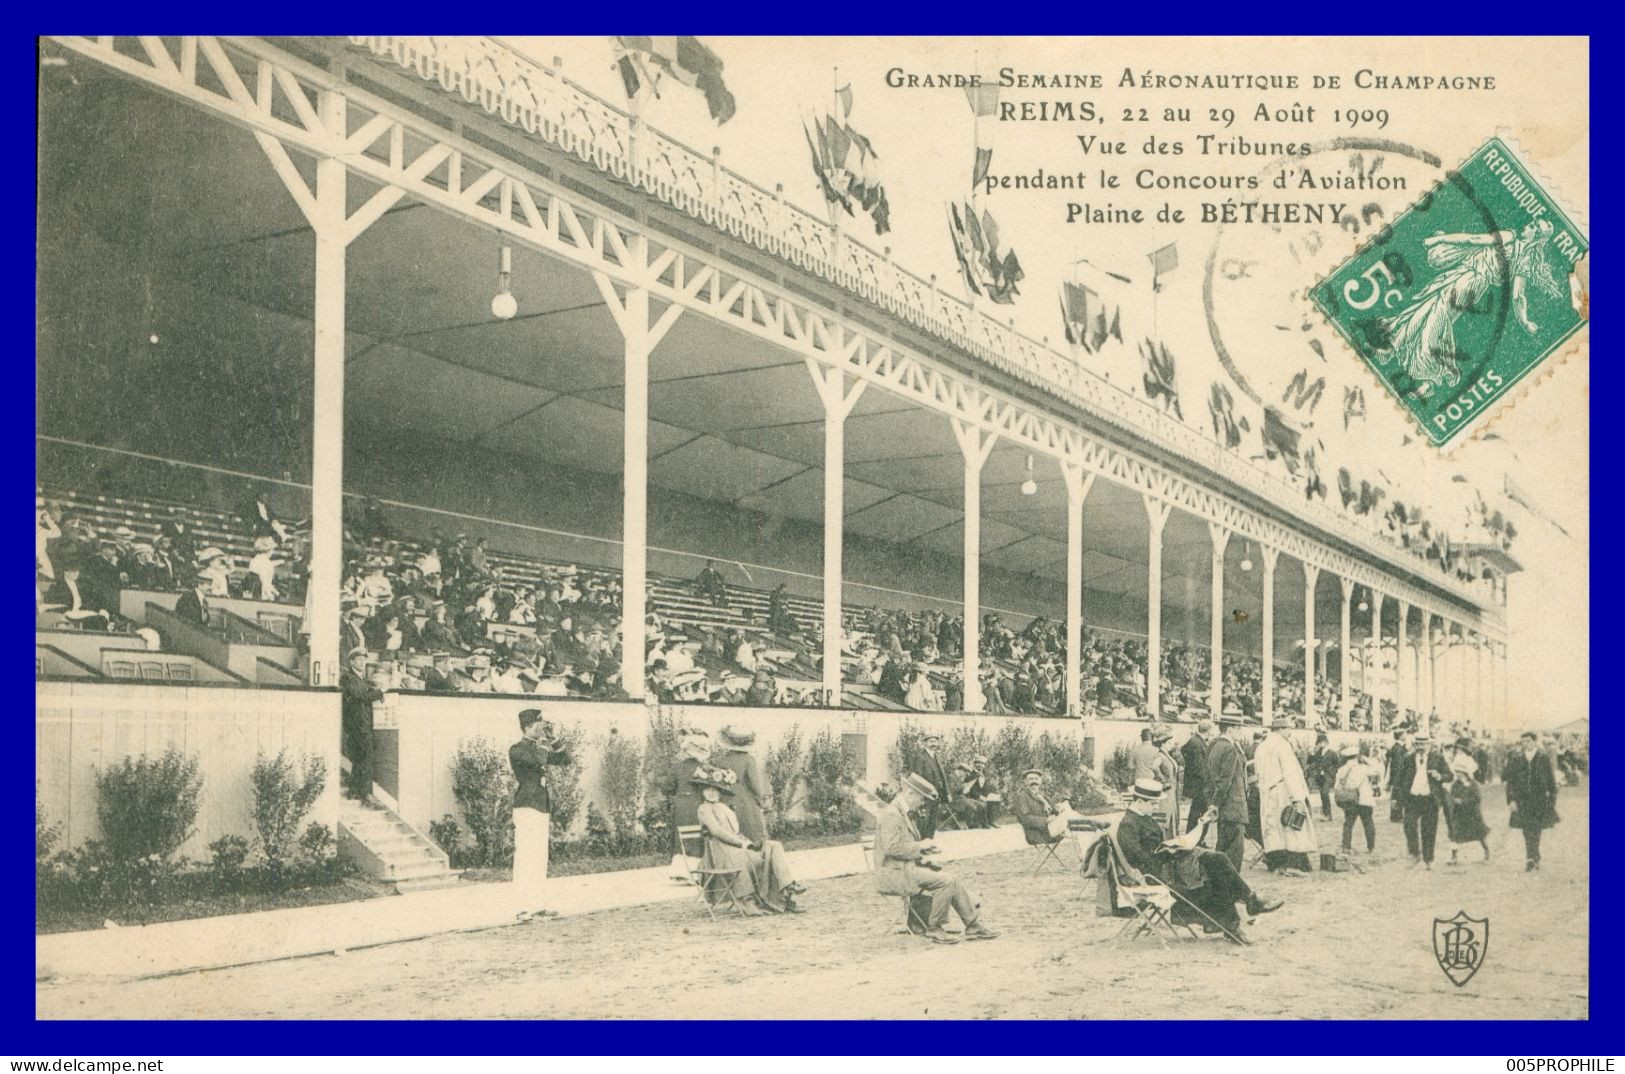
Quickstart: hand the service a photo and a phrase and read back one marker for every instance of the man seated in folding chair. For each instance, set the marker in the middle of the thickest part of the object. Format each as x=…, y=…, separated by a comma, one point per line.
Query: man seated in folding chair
x=1044, y=823
x=901, y=868
x=1205, y=880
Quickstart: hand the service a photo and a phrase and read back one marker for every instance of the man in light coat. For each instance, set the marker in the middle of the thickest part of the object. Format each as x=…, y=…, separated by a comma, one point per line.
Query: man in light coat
x=1281, y=784
x=902, y=868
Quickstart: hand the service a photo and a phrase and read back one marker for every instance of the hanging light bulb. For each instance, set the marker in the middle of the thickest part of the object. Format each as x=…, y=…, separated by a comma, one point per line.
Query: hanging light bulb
x=1029, y=487
x=1247, y=557
x=504, y=305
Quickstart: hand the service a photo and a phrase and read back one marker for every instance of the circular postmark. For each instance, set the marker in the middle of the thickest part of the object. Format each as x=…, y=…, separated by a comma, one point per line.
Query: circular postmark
x=1276, y=348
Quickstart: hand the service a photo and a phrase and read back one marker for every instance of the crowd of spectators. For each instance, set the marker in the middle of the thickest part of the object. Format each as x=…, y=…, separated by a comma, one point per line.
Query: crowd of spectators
x=82, y=570
x=449, y=614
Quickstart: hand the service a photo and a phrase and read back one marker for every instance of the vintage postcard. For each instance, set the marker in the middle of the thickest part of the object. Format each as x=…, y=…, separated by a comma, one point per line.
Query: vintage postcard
x=835, y=528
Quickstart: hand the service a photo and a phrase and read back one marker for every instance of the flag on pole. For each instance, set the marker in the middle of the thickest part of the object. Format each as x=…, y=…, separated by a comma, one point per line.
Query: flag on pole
x=983, y=97
x=1221, y=408
x=848, y=170
x=984, y=158
x=1163, y=261
x=845, y=94
x=976, y=247
x=1159, y=376
x=1280, y=439
x=688, y=61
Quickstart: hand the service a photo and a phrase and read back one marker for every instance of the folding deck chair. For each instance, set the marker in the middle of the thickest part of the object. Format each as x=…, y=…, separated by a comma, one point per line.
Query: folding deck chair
x=691, y=841
x=1045, y=848
x=1152, y=902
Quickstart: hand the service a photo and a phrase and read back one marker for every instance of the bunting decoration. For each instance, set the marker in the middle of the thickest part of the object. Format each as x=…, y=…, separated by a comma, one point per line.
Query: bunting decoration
x=976, y=246
x=1345, y=487
x=1281, y=439
x=644, y=60
x=1159, y=376
x=848, y=170
x=1221, y=407
x=1089, y=319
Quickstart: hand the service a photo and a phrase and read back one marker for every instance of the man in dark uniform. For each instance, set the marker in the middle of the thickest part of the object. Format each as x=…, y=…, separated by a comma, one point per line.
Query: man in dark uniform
x=438, y=679
x=1227, y=787
x=532, y=809
x=932, y=768
x=357, y=696
x=1205, y=877
x=1194, y=753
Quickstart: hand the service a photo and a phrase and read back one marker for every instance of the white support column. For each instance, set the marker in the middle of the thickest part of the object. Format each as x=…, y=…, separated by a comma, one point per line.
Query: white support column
x=838, y=400
x=1270, y=556
x=1429, y=671
x=1463, y=670
x=639, y=337
x=1078, y=485
x=1343, y=651
x=1221, y=540
x=1506, y=684
x=1401, y=673
x=324, y=209
x=1156, y=513
x=1376, y=655
x=327, y=434
x=975, y=445
x=1480, y=694
x=1311, y=578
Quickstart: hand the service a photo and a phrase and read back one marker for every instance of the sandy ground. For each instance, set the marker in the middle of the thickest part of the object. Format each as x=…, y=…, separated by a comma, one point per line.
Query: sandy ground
x=1345, y=946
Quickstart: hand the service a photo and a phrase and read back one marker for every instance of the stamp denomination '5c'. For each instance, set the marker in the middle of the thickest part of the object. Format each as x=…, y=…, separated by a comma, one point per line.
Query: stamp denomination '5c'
x=1465, y=294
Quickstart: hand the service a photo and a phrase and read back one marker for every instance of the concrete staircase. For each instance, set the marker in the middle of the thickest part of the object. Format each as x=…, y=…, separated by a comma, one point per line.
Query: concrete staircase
x=386, y=848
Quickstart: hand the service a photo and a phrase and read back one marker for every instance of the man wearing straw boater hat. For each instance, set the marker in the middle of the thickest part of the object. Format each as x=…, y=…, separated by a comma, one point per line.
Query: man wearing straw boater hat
x=1205, y=878
x=902, y=867
x=532, y=809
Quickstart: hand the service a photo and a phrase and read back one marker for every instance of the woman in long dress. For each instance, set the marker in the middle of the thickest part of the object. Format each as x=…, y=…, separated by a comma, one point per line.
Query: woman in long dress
x=763, y=883
x=1465, y=816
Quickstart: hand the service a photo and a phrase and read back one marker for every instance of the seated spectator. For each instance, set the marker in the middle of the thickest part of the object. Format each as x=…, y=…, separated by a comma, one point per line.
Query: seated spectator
x=711, y=586
x=437, y=631
x=155, y=566
x=513, y=677
x=1204, y=877
x=193, y=605
x=763, y=689
x=179, y=531
x=763, y=883
x=75, y=604
x=921, y=695
x=215, y=566
x=383, y=631
x=902, y=866
x=1042, y=819
x=439, y=678
x=744, y=655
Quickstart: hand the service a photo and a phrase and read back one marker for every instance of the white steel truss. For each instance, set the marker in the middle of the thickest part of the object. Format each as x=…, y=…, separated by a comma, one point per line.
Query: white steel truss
x=251, y=83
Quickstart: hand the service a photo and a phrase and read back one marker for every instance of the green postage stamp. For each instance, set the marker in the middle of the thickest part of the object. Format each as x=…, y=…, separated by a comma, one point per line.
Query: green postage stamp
x=1465, y=294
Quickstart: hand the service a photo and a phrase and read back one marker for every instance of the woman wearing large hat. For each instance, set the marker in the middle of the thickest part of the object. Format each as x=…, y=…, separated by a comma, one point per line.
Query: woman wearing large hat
x=763, y=883
x=752, y=795
x=1464, y=810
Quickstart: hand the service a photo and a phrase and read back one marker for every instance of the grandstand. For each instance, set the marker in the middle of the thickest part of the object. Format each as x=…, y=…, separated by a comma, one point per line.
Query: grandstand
x=269, y=336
